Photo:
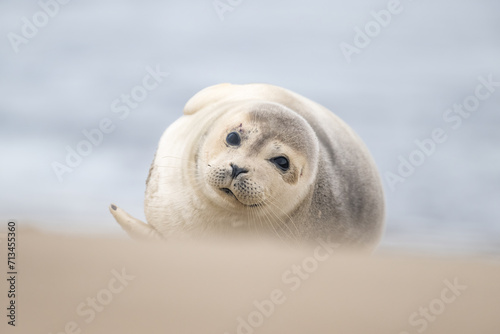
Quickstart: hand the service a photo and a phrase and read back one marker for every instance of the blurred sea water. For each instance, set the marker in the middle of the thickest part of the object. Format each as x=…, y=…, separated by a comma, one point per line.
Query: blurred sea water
x=393, y=92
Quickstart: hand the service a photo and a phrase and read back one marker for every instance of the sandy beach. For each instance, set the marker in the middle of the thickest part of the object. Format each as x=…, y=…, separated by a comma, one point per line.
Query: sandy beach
x=67, y=284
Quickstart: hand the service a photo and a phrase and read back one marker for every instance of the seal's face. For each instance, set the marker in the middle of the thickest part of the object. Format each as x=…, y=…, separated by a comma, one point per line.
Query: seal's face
x=262, y=155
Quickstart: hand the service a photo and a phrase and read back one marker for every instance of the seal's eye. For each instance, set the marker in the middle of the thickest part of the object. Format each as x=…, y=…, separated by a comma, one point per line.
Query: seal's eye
x=233, y=139
x=281, y=162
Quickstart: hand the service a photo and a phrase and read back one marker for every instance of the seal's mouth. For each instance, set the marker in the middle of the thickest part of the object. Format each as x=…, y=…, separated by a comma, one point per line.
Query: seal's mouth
x=230, y=193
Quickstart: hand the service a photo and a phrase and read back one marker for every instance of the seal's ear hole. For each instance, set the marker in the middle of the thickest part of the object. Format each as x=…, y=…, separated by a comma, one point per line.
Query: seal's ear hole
x=233, y=139
x=281, y=162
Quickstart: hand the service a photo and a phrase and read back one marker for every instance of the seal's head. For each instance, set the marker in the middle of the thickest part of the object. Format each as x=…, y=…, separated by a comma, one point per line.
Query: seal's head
x=259, y=154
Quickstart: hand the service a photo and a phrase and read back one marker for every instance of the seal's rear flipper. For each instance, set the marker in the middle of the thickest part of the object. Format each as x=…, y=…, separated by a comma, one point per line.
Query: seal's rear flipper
x=133, y=226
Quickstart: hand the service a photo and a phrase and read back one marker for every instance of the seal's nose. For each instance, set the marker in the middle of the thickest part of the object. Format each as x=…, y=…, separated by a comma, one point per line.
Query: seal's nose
x=237, y=171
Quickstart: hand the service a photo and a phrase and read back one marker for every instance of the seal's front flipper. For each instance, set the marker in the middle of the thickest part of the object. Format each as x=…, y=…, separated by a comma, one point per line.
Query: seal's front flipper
x=133, y=226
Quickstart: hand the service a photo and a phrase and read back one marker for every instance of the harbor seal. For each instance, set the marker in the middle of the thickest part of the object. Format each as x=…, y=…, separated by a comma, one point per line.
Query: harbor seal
x=258, y=158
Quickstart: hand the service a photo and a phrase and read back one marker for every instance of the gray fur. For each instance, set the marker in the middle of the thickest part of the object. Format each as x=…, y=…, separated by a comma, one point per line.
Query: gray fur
x=348, y=191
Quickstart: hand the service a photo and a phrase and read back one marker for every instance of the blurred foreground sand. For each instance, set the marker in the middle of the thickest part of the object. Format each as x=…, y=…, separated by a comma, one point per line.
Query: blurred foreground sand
x=111, y=285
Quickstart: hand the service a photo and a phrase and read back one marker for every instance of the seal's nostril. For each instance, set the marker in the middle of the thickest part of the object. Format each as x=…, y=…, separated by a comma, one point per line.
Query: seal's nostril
x=237, y=171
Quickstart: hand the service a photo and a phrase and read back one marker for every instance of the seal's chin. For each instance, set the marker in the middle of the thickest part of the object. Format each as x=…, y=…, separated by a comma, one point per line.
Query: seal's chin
x=230, y=193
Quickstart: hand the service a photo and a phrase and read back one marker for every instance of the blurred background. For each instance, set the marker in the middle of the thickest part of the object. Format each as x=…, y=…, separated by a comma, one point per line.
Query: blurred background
x=392, y=72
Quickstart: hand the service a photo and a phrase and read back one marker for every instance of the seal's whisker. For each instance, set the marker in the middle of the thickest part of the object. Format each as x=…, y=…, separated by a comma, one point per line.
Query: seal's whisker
x=262, y=227
x=254, y=219
x=263, y=208
x=250, y=220
x=272, y=200
x=267, y=209
x=207, y=229
x=281, y=223
x=263, y=214
x=260, y=207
